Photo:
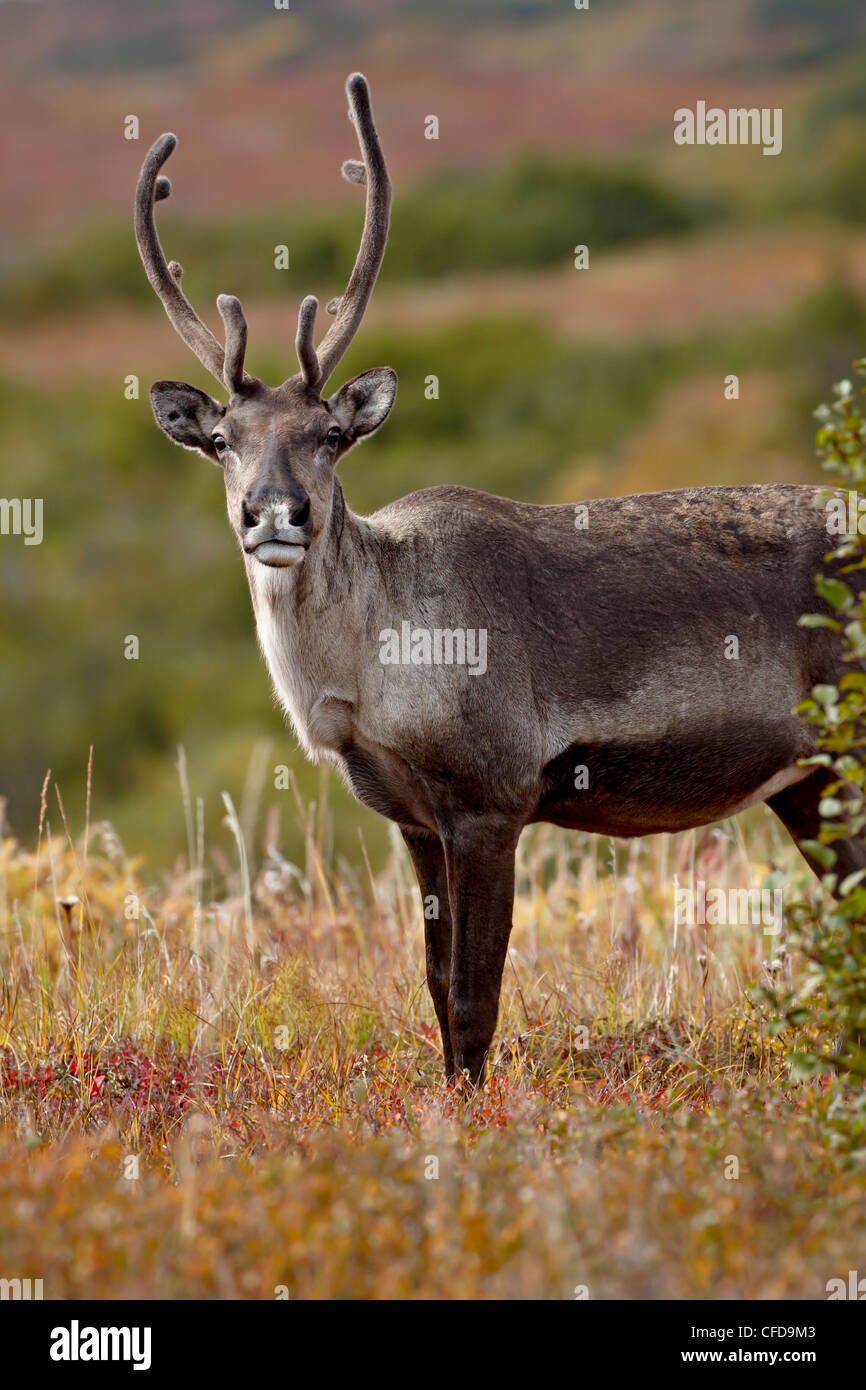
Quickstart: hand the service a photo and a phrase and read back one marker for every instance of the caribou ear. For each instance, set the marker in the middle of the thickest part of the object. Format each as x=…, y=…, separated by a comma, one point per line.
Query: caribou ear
x=186, y=415
x=364, y=403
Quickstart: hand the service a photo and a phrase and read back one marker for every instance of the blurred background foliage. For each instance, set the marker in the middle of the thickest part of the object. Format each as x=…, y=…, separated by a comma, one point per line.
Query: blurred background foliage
x=505, y=219
x=554, y=384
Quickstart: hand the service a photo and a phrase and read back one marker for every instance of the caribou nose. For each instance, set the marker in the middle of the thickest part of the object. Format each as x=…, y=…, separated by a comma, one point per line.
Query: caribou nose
x=281, y=511
x=299, y=515
x=249, y=517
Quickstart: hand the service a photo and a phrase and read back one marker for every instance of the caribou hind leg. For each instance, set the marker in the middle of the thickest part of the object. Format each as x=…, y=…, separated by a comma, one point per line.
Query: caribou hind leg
x=797, y=809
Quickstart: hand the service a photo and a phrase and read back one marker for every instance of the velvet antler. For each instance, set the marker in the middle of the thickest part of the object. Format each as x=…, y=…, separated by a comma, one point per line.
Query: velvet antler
x=318, y=364
x=226, y=365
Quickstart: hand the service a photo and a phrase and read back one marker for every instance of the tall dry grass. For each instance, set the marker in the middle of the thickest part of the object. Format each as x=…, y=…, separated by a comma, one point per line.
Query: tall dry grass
x=228, y=1083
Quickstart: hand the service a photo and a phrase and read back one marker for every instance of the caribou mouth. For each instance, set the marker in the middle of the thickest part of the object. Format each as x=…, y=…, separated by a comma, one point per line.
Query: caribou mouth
x=278, y=554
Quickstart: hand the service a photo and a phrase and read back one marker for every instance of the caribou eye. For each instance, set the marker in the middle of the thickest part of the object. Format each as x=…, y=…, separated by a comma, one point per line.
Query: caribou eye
x=334, y=435
x=219, y=443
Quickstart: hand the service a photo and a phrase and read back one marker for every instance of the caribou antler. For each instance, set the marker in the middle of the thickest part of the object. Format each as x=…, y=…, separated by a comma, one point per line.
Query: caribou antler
x=304, y=341
x=232, y=316
x=227, y=366
x=318, y=364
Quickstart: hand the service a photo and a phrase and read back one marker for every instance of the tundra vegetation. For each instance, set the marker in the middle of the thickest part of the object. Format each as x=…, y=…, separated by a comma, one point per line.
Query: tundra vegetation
x=220, y=1072
x=227, y=1082
x=830, y=992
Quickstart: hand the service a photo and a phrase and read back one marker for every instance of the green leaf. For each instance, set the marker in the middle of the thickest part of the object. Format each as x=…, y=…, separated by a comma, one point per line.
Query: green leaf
x=804, y=1066
x=819, y=620
x=825, y=694
x=851, y=882
x=823, y=853
x=837, y=594
x=856, y=634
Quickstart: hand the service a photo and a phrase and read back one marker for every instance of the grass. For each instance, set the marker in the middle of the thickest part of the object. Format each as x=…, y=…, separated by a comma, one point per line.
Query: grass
x=227, y=1084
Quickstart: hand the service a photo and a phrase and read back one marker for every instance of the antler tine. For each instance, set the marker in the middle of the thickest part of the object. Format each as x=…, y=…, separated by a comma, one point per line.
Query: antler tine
x=232, y=316
x=349, y=309
x=164, y=278
x=307, y=356
x=353, y=171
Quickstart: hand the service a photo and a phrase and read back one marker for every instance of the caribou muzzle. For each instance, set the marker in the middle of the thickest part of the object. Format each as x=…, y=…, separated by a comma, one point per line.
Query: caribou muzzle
x=279, y=533
x=278, y=553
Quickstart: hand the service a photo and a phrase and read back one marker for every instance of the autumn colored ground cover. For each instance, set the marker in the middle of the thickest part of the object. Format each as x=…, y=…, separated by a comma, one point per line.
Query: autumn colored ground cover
x=228, y=1085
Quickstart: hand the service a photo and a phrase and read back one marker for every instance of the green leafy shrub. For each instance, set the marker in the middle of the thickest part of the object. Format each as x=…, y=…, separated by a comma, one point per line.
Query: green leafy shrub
x=829, y=999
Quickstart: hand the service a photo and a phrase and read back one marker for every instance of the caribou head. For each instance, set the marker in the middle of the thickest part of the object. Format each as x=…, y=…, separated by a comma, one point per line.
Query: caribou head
x=277, y=446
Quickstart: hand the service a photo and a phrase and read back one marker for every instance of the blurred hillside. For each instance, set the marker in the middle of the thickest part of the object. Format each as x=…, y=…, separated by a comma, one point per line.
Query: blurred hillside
x=555, y=129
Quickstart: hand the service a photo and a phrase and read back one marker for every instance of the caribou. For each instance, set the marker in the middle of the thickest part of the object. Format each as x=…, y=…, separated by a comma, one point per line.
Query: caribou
x=642, y=654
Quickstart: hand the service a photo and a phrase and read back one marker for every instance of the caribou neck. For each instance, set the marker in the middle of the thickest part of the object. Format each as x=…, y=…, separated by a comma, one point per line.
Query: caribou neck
x=313, y=619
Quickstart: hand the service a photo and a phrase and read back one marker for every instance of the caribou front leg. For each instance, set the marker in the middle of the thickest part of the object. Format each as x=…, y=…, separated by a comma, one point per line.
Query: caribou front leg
x=425, y=849
x=479, y=855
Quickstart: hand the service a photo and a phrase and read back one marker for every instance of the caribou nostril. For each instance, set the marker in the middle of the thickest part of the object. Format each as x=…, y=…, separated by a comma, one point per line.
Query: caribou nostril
x=302, y=515
x=249, y=518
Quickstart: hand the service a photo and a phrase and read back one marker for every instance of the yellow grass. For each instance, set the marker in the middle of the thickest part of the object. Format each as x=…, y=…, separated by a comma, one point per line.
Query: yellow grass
x=228, y=1084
